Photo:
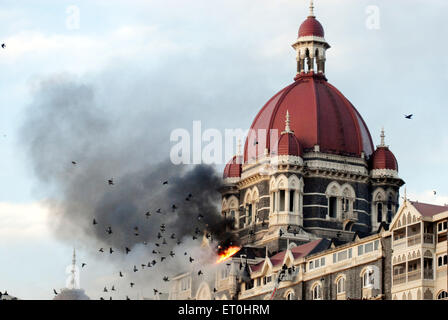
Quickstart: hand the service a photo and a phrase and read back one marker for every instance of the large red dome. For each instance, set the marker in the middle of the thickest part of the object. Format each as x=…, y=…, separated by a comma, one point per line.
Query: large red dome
x=320, y=115
x=311, y=27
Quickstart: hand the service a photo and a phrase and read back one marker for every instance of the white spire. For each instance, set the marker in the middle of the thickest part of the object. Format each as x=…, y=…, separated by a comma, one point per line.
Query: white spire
x=383, y=136
x=311, y=8
x=287, y=127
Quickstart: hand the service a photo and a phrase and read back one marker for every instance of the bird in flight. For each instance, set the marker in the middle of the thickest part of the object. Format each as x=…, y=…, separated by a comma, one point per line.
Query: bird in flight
x=94, y=221
x=135, y=269
x=55, y=292
x=191, y=259
x=105, y=289
x=174, y=207
x=109, y=230
x=3, y=45
x=121, y=274
x=162, y=258
x=435, y=192
x=409, y=116
x=132, y=284
x=74, y=163
x=147, y=214
x=166, y=279
x=83, y=265
x=127, y=250
x=159, y=210
x=101, y=250
x=171, y=253
x=165, y=182
x=111, y=181
x=199, y=272
x=113, y=288
x=111, y=250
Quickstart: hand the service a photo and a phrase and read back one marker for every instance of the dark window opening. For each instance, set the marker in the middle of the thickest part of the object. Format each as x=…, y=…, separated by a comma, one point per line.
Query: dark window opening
x=379, y=210
x=282, y=200
x=291, y=201
x=332, y=207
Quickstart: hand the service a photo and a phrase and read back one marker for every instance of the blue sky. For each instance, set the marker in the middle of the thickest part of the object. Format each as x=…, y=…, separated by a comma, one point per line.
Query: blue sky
x=225, y=59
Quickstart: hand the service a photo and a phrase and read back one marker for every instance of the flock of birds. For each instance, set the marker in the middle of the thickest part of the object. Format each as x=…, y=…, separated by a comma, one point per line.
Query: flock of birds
x=162, y=241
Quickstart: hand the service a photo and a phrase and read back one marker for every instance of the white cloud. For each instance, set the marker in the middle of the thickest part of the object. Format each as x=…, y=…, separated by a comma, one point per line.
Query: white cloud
x=22, y=221
x=428, y=196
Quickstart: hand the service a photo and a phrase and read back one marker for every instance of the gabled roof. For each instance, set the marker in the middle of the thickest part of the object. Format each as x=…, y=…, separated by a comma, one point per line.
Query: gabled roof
x=428, y=210
x=297, y=252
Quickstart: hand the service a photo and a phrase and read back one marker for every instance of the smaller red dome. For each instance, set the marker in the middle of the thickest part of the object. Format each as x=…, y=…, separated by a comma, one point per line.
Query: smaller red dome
x=233, y=168
x=288, y=145
x=311, y=27
x=383, y=158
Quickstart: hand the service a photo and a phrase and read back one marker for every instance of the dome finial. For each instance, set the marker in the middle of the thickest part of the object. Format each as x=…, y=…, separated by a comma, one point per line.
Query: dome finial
x=382, y=137
x=287, y=121
x=311, y=8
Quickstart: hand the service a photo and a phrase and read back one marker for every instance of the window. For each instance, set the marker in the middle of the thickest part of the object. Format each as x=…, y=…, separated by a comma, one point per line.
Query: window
x=345, y=205
x=291, y=201
x=442, y=261
x=341, y=285
x=258, y=282
x=368, y=247
x=335, y=258
x=249, y=214
x=317, y=263
x=442, y=226
x=367, y=278
x=332, y=207
x=379, y=212
x=342, y=255
x=360, y=250
x=266, y=280
x=317, y=294
x=290, y=295
x=274, y=196
x=282, y=200
x=442, y=295
x=350, y=253
x=322, y=261
x=311, y=265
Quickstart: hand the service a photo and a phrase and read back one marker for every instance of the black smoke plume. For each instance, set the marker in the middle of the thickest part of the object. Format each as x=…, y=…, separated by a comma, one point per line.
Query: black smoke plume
x=69, y=121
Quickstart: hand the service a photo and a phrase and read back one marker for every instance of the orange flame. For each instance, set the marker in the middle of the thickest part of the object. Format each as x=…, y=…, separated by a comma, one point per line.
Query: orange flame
x=226, y=254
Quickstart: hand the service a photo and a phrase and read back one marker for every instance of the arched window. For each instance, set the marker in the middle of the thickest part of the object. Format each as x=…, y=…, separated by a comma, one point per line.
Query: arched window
x=379, y=212
x=367, y=278
x=340, y=286
x=289, y=295
x=317, y=292
x=389, y=208
x=442, y=295
x=332, y=207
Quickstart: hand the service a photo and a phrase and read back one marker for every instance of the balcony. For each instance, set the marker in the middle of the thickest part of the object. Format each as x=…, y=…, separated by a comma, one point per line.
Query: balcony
x=399, y=278
x=400, y=243
x=428, y=274
x=415, y=275
x=414, y=240
x=428, y=238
